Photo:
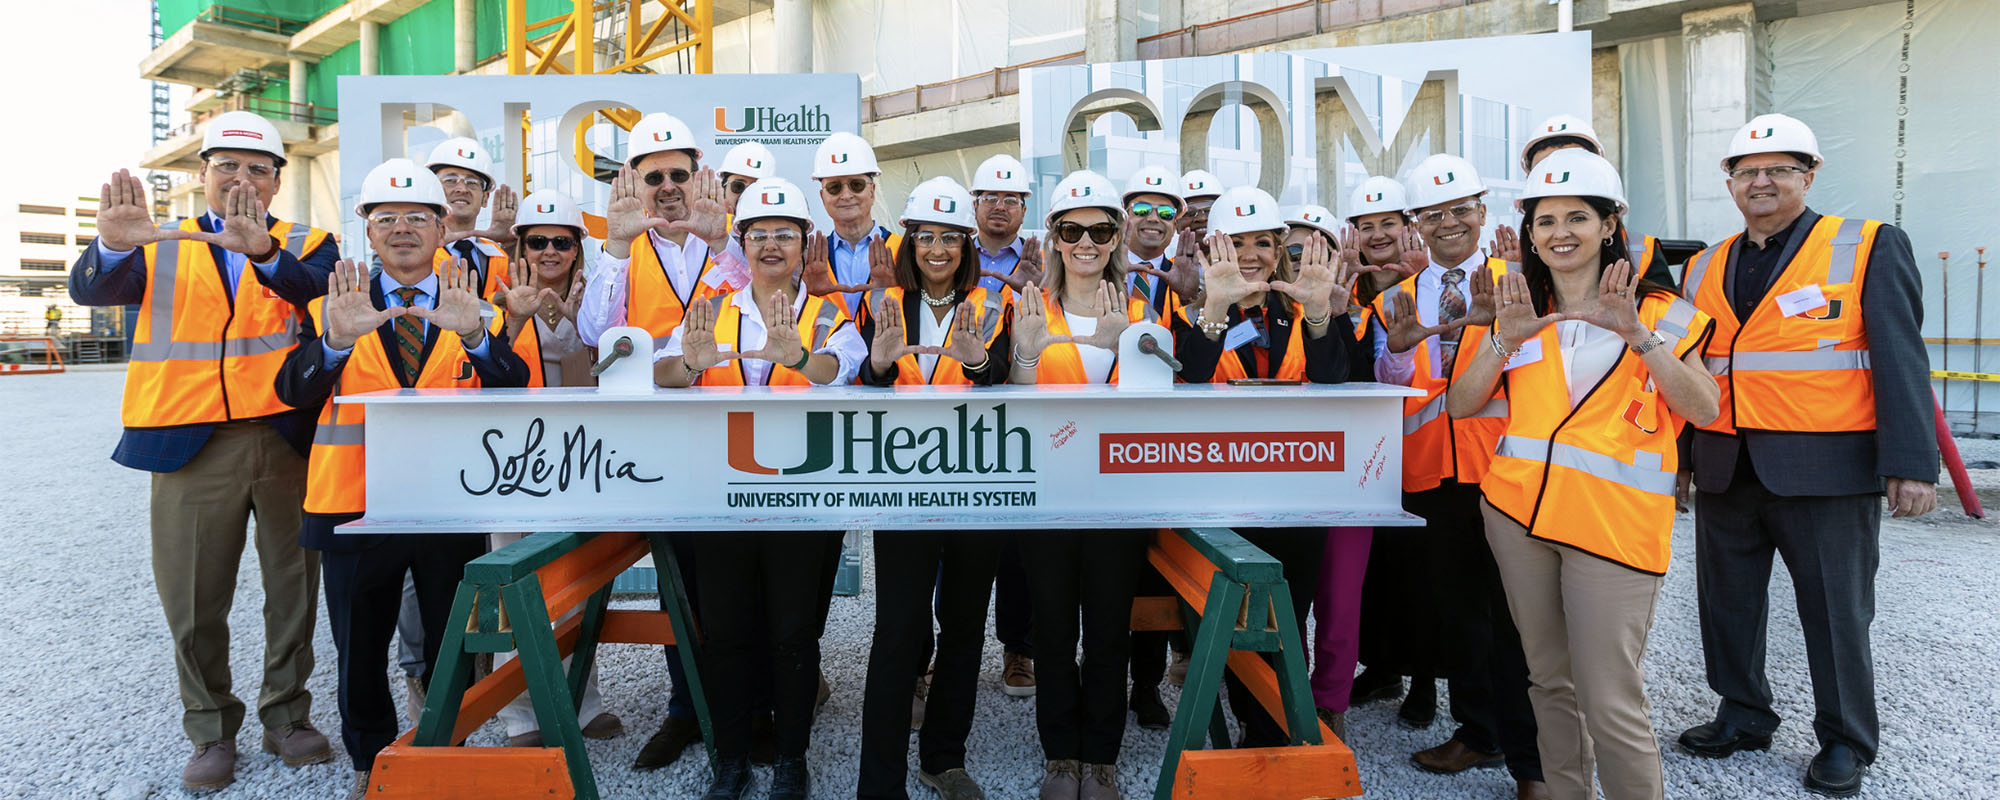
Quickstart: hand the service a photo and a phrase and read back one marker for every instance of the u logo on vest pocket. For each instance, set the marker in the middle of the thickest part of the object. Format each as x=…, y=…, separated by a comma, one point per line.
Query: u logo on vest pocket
x=1832, y=311
x=464, y=371
x=1635, y=413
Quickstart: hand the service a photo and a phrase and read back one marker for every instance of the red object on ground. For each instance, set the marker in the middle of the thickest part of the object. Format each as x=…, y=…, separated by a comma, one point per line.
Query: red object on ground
x=1967, y=497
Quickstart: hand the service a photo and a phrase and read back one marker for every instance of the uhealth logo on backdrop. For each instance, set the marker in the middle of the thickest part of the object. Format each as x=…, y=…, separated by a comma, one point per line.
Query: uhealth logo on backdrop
x=807, y=124
x=872, y=443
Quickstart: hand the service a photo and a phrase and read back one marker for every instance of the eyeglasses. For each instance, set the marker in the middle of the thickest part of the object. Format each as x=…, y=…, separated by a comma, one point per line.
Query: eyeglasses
x=1006, y=201
x=737, y=187
x=562, y=244
x=678, y=176
x=227, y=167
x=1462, y=211
x=455, y=181
x=948, y=238
x=1777, y=173
x=1101, y=233
x=833, y=188
x=414, y=219
x=780, y=238
x=1163, y=211
x=1296, y=251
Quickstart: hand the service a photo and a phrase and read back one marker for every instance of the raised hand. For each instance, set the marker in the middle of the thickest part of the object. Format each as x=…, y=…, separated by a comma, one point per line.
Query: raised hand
x=1187, y=245
x=350, y=314
x=1031, y=325
x=1184, y=277
x=892, y=340
x=1517, y=321
x=1320, y=286
x=817, y=270
x=627, y=216
x=1027, y=269
x=1223, y=276
x=243, y=229
x=566, y=305
x=707, y=217
x=1505, y=246
x=781, y=333
x=1617, y=306
x=1405, y=329
x=964, y=344
x=1416, y=255
x=1112, y=317
x=698, y=351
x=1350, y=253
x=458, y=304
x=881, y=266
x=505, y=208
x=1482, y=308
x=125, y=219
x=517, y=295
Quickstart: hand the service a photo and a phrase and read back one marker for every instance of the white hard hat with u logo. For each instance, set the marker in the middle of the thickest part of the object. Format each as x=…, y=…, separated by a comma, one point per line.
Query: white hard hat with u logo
x=942, y=201
x=658, y=133
x=1245, y=209
x=773, y=198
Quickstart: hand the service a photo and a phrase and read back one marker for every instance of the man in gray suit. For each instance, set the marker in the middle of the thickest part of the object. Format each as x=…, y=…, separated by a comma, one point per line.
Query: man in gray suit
x=1826, y=381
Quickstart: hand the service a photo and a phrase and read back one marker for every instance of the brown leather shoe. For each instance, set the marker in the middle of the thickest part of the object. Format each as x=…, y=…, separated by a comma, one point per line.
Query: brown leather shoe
x=212, y=767
x=1063, y=781
x=604, y=726
x=1454, y=757
x=529, y=739
x=918, y=699
x=413, y=693
x=360, y=789
x=1177, y=667
x=667, y=745
x=298, y=744
x=1336, y=721
x=1531, y=790
x=1017, y=675
x=952, y=784
x=1100, y=782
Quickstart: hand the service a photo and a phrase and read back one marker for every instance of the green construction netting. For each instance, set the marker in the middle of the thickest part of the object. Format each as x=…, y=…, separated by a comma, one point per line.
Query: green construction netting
x=278, y=16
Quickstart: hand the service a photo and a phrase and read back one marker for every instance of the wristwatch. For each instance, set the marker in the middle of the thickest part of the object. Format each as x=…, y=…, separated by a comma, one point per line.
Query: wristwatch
x=1653, y=339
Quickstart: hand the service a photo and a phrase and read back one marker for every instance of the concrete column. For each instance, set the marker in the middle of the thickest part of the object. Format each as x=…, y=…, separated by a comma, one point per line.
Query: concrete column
x=297, y=81
x=463, y=38
x=1607, y=101
x=296, y=190
x=1725, y=84
x=1110, y=30
x=792, y=27
x=371, y=48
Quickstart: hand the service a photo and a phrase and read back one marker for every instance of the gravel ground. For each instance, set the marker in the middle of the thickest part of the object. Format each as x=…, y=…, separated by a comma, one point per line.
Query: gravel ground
x=87, y=681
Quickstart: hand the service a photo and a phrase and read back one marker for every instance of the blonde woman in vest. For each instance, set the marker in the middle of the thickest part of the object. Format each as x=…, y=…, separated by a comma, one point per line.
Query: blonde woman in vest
x=935, y=327
x=773, y=585
x=1602, y=369
x=1067, y=333
x=545, y=285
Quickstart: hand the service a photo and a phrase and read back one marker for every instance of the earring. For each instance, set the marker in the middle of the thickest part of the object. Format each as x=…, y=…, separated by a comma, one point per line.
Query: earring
x=1531, y=249
x=1607, y=241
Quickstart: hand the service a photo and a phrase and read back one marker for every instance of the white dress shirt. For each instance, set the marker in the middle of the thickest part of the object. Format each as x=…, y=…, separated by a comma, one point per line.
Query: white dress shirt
x=930, y=333
x=1097, y=361
x=1588, y=352
x=845, y=344
x=603, y=304
x=1400, y=368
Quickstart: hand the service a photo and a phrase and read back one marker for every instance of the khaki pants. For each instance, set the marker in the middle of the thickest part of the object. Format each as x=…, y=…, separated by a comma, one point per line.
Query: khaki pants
x=199, y=514
x=1583, y=623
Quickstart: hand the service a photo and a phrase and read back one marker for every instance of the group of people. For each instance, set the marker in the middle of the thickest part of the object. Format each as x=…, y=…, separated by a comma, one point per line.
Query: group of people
x=1569, y=382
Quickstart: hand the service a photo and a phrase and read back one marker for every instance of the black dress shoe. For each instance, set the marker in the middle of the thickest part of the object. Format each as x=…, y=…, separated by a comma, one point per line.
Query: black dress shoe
x=1374, y=684
x=732, y=780
x=790, y=780
x=667, y=745
x=1836, y=771
x=1720, y=739
x=1151, y=712
x=1420, y=705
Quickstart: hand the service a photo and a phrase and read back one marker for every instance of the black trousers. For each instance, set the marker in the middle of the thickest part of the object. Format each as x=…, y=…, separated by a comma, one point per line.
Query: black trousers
x=1479, y=648
x=1091, y=576
x=1399, y=620
x=1831, y=547
x=910, y=566
x=364, y=594
x=763, y=589
x=1300, y=550
x=1013, y=614
x=680, y=700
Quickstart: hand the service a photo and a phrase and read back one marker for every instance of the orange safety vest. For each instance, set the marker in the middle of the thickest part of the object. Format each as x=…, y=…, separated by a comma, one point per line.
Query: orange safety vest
x=818, y=320
x=1293, y=368
x=1639, y=250
x=1436, y=447
x=1605, y=468
x=496, y=264
x=650, y=299
x=199, y=356
x=1807, y=372
x=1063, y=363
x=336, y=473
x=946, y=372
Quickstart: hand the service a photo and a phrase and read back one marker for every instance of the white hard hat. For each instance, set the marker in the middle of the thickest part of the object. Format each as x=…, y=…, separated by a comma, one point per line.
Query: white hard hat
x=1001, y=173
x=1084, y=189
x=751, y=160
x=844, y=153
x=1774, y=133
x=773, y=198
x=1560, y=125
x=659, y=132
x=1154, y=180
x=1314, y=217
x=1377, y=195
x=549, y=207
x=400, y=180
x=242, y=130
x=1573, y=173
x=463, y=153
x=1441, y=178
x=1244, y=209
x=1200, y=183
x=942, y=201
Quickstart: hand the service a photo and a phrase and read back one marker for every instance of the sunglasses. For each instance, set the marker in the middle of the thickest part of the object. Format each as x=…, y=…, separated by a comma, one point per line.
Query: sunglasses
x=737, y=187
x=1101, y=233
x=562, y=244
x=1163, y=211
x=656, y=177
x=1296, y=251
x=834, y=188
x=949, y=239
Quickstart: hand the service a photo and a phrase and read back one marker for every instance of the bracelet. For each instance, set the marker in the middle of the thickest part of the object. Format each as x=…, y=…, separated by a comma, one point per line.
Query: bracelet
x=802, y=361
x=692, y=372
x=268, y=254
x=1653, y=340
x=1503, y=353
x=982, y=363
x=1317, y=321
x=1025, y=363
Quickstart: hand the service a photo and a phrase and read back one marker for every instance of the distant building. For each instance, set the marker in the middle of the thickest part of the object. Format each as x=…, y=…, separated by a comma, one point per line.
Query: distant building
x=42, y=239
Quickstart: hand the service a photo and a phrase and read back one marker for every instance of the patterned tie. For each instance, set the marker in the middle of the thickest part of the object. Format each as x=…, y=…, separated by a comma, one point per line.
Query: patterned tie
x=410, y=336
x=1143, y=287
x=1451, y=306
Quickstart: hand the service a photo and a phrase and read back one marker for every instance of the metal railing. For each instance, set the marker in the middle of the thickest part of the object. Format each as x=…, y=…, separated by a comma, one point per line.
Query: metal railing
x=995, y=82
x=266, y=107
x=240, y=18
x=1279, y=24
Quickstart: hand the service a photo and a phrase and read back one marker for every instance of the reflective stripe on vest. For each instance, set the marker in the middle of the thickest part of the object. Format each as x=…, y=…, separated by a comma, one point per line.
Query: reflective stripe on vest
x=1643, y=475
x=339, y=433
x=1437, y=448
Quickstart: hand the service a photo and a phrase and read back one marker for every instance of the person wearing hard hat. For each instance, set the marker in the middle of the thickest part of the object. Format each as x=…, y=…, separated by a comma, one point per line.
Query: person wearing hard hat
x=218, y=298
x=1066, y=333
x=404, y=324
x=764, y=595
x=1826, y=408
x=663, y=227
x=1444, y=458
x=548, y=270
x=1198, y=190
x=1152, y=203
x=469, y=181
x=859, y=255
x=935, y=327
x=744, y=164
x=1564, y=132
x=1578, y=501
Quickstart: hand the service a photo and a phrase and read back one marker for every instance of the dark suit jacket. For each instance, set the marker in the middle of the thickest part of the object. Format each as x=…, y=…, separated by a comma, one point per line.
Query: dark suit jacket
x=305, y=382
x=1326, y=357
x=1904, y=442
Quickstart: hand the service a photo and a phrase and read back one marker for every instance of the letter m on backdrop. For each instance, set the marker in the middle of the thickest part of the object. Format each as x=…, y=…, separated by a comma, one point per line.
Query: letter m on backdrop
x=1431, y=120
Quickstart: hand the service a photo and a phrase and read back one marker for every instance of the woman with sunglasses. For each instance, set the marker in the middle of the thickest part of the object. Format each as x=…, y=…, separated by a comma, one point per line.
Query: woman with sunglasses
x=1068, y=334
x=544, y=285
x=935, y=327
x=1602, y=368
x=764, y=588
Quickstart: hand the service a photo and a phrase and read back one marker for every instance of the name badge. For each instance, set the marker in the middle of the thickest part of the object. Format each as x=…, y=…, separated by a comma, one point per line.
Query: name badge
x=1530, y=352
x=1243, y=333
x=1800, y=301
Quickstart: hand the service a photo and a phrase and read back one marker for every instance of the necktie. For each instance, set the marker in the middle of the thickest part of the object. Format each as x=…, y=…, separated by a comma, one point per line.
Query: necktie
x=465, y=249
x=1451, y=306
x=1143, y=286
x=409, y=337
